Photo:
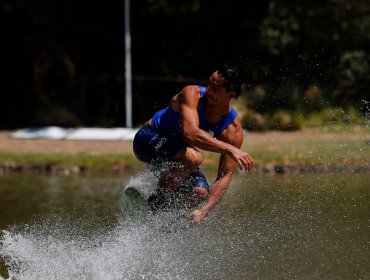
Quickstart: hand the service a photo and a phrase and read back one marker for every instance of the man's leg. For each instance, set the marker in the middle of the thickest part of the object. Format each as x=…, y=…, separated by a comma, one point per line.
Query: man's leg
x=193, y=190
x=199, y=195
x=186, y=161
x=174, y=159
x=200, y=189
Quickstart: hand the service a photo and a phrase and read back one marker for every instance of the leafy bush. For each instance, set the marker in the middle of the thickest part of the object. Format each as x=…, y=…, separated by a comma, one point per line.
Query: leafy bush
x=254, y=121
x=54, y=115
x=335, y=116
x=280, y=120
x=285, y=121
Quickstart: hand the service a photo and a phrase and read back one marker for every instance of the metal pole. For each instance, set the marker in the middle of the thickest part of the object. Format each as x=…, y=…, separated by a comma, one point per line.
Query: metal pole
x=128, y=88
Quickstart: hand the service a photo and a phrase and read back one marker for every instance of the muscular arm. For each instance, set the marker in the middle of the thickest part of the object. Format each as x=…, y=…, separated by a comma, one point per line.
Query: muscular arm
x=188, y=103
x=234, y=136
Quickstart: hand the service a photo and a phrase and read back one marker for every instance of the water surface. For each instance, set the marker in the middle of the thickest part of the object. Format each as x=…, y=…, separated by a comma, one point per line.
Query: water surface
x=305, y=226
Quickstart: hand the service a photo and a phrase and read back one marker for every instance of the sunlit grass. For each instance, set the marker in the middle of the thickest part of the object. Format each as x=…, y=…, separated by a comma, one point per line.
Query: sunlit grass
x=345, y=146
x=70, y=160
x=323, y=146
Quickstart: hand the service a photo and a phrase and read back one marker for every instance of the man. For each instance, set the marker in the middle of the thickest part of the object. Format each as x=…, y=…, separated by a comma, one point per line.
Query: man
x=197, y=118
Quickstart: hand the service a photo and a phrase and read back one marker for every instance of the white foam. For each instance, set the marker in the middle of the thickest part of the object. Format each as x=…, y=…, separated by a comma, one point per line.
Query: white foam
x=145, y=182
x=132, y=250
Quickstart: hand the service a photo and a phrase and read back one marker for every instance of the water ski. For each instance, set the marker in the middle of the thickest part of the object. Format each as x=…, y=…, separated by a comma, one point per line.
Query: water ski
x=133, y=200
x=141, y=195
x=137, y=191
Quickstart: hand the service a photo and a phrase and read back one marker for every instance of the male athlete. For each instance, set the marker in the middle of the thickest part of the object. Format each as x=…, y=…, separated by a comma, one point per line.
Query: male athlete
x=197, y=118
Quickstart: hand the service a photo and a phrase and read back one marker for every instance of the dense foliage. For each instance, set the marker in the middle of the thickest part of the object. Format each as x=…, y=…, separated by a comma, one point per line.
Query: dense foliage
x=62, y=62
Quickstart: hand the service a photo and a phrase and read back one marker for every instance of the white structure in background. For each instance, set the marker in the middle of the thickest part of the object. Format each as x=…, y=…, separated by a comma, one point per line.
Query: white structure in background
x=59, y=133
x=49, y=132
x=128, y=88
x=102, y=134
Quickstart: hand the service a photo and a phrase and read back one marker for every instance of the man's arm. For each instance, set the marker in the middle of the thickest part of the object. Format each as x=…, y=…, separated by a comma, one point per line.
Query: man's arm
x=193, y=135
x=234, y=136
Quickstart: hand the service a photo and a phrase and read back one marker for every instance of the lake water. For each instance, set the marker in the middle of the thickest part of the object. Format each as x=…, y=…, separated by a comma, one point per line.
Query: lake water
x=302, y=226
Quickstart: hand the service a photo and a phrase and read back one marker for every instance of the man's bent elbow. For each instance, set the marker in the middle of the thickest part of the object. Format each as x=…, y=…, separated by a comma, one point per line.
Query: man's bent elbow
x=188, y=137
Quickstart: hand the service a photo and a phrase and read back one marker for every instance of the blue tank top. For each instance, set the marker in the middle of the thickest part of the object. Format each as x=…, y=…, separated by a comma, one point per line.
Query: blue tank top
x=168, y=121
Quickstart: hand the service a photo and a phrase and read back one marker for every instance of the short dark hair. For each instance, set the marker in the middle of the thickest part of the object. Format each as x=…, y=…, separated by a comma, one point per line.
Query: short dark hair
x=234, y=75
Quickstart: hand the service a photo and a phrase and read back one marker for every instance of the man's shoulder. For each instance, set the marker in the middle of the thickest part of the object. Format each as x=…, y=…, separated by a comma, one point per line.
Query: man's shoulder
x=191, y=89
x=189, y=95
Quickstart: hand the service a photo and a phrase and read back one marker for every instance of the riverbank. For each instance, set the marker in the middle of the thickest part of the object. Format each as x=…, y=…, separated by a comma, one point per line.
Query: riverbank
x=308, y=150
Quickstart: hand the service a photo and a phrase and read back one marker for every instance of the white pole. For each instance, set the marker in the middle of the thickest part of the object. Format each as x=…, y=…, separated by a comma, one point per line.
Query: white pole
x=128, y=88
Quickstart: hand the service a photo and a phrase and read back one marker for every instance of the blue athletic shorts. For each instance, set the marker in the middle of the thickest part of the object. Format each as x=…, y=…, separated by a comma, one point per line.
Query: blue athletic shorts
x=154, y=148
x=157, y=149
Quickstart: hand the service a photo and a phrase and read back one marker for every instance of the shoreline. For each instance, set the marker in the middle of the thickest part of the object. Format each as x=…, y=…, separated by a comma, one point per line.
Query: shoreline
x=50, y=169
x=316, y=150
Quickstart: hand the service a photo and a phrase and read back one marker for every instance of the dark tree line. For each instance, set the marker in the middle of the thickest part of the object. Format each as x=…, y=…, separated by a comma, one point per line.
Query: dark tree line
x=62, y=62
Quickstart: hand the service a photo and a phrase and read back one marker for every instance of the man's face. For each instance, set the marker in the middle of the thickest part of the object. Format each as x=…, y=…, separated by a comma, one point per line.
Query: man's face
x=216, y=89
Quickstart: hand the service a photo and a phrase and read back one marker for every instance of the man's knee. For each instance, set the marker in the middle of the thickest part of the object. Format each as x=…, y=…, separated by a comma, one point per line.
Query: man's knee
x=200, y=192
x=193, y=157
x=199, y=195
x=190, y=157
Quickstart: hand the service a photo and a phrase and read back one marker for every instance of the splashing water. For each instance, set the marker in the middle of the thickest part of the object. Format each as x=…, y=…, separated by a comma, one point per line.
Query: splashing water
x=143, y=246
x=132, y=250
x=145, y=182
x=280, y=227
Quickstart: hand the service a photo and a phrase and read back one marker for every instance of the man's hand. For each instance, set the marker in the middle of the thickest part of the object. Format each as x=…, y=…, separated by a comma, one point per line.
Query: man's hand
x=197, y=216
x=244, y=160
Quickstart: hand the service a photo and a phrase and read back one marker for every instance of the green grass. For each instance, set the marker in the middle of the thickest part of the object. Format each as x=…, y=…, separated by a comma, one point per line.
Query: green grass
x=329, y=147
x=70, y=160
x=350, y=146
x=312, y=152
